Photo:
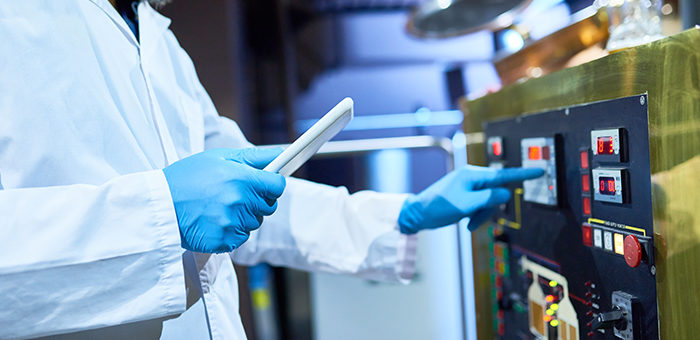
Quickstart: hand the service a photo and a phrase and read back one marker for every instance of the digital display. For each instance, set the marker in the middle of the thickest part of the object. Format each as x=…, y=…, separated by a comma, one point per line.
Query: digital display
x=534, y=153
x=607, y=185
x=605, y=145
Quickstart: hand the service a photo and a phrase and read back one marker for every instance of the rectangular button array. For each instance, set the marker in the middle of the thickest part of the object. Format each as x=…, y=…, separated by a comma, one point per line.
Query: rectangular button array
x=608, y=239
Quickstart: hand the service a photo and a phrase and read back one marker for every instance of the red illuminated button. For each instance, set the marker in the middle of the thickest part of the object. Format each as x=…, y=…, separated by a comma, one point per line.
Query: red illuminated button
x=633, y=251
x=587, y=206
x=584, y=159
x=586, y=183
x=587, y=234
x=497, y=148
x=534, y=153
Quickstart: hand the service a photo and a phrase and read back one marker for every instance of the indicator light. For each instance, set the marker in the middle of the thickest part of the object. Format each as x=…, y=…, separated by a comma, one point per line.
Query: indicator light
x=497, y=148
x=587, y=206
x=619, y=241
x=545, y=152
x=587, y=235
x=534, y=153
x=553, y=283
x=554, y=307
x=547, y=318
x=549, y=298
x=554, y=323
x=584, y=159
x=586, y=183
x=549, y=312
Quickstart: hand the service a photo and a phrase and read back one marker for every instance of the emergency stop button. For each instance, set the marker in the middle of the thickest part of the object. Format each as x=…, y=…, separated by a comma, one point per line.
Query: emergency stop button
x=633, y=251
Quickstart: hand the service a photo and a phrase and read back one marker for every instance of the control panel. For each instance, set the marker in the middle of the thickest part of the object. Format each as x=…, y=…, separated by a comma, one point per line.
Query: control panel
x=573, y=252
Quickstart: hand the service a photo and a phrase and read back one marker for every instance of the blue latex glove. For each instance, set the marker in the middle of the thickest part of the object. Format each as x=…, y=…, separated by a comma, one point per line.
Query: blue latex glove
x=470, y=191
x=220, y=196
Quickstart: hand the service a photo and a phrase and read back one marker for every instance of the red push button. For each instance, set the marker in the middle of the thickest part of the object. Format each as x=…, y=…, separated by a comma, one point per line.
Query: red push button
x=586, y=183
x=633, y=251
x=587, y=206
x=587, y=235
x=584, y=159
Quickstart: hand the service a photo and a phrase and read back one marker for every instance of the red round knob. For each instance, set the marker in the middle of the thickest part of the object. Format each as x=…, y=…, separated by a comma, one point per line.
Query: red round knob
x=633, y=251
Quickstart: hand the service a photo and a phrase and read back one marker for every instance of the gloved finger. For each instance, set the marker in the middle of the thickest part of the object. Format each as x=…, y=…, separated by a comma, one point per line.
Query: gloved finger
x=235, y=237
x=268, y=185
x=251, y=221
x=257, y=157
x=486, y=199
x=503, y=176
x=260, y=207
x=479, y=217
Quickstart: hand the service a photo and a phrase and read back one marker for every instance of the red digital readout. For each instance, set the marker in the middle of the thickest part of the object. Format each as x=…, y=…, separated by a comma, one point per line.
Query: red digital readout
x=534, y=153
x=606, y=185
x=605, y=146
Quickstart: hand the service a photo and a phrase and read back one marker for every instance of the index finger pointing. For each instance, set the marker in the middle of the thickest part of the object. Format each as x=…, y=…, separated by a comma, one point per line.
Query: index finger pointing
x=510, y=175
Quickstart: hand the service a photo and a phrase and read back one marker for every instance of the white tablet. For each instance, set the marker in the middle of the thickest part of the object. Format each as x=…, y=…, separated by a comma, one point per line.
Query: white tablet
x=308, y=143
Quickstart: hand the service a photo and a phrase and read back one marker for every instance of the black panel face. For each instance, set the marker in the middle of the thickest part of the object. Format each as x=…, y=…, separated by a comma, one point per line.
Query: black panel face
x=573, y=251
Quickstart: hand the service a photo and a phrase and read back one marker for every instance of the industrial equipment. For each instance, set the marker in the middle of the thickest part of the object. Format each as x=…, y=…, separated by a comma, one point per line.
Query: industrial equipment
x=606, y=245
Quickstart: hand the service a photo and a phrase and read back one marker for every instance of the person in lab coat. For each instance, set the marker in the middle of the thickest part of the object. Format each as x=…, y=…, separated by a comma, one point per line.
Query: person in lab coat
x=105, y=181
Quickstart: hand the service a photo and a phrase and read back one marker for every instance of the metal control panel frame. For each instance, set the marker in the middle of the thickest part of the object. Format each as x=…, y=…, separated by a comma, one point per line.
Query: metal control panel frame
x=560, y=238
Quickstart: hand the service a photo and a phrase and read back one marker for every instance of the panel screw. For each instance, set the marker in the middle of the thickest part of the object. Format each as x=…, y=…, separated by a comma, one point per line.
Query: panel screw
x=653, y=270
x=641, y=100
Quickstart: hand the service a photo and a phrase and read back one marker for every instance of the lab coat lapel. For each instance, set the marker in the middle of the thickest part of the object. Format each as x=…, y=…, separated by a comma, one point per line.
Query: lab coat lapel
x=116, y=18
x=152, y=26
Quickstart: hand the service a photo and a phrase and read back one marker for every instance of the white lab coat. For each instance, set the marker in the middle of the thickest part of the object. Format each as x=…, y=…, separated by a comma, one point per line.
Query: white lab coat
x=88, y=232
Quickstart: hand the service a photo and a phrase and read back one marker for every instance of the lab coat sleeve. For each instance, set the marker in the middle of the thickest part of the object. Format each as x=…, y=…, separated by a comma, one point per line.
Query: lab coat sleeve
x=317, y=227
x=322, y=228
x=78, y=257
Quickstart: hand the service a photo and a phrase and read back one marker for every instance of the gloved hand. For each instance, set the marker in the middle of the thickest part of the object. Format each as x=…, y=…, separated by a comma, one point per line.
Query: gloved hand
x=220, y=196
x=470, y=191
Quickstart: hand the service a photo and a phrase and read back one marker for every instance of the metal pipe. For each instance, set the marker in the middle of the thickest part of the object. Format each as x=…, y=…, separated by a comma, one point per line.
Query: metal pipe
x=357, y=146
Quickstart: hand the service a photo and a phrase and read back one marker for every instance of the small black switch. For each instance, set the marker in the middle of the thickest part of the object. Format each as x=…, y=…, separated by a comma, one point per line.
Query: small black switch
x=615, y=318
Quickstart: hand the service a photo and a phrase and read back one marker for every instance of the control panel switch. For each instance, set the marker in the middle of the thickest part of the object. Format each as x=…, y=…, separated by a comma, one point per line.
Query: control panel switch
x=632, y=251
x=632, y=312
x=540, y=153
x=613, y=319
